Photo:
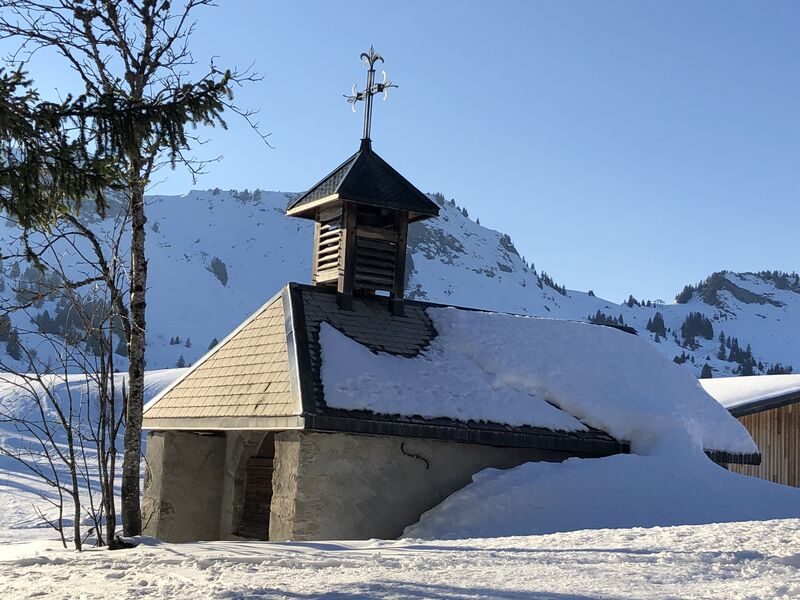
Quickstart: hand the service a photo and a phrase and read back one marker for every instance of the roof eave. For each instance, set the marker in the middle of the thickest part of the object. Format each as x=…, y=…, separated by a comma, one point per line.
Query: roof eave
x=243, y=423
x=308, y=211
x=765, y=404
x=417, y=214
x=297, y=203
x=734, y=458
x=580, y=443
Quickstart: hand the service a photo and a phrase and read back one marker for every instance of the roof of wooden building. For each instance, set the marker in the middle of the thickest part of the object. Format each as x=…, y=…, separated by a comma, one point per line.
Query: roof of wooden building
x=753, y=394
x=267, y=375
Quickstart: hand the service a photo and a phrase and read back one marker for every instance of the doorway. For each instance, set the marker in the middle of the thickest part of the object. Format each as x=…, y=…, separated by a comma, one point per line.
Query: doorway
x=258, y=492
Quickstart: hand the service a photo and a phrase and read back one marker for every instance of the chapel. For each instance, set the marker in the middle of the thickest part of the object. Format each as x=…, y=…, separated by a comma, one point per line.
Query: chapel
x=254, y=441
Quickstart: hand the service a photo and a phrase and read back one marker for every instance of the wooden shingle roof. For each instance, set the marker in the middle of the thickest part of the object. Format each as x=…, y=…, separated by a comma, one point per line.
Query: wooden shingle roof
x=242, y=383
x=365, y=178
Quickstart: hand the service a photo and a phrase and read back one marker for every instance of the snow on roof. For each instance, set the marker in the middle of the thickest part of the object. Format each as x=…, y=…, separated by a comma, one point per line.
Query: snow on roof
x=741, y=392
x=549, y=373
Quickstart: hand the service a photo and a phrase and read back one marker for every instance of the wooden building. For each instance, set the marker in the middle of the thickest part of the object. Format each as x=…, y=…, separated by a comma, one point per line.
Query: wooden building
x=769, y=407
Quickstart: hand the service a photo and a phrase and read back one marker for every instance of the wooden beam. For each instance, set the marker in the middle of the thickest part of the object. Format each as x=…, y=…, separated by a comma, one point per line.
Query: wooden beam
x=375, y=233
x=327, y=275
x=314, y=253
x=347, y=264
x=398, y=289
x=300, y=211
x=330, y=213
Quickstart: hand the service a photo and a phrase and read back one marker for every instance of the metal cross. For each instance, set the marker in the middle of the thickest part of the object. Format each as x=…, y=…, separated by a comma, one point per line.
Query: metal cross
x=372, y=88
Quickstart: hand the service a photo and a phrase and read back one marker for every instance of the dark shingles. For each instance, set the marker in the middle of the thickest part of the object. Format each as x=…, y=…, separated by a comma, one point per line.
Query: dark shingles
x=365, y=178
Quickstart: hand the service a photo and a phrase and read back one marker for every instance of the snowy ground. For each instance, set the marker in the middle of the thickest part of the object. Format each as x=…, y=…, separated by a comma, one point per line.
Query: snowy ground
x=756, y=560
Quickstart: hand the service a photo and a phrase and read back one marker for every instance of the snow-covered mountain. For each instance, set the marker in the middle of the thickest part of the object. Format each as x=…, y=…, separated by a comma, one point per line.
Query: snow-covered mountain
x=215, y=256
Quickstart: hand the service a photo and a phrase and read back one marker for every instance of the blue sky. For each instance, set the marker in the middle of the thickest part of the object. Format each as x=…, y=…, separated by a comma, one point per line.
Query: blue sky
x=626, y=147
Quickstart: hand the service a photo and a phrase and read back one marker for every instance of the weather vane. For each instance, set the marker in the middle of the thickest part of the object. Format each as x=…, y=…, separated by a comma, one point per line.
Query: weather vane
x=372, y=88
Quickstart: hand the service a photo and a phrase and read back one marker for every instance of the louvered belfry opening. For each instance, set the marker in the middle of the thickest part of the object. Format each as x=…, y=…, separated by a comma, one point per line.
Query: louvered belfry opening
x=327, y=245
x=362, y=210
x=380, y=246
x=361, y=250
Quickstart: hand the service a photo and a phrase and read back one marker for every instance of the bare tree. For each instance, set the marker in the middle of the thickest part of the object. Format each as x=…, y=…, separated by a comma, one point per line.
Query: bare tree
x=134, y=60
x=55, y=413
x=67, y=398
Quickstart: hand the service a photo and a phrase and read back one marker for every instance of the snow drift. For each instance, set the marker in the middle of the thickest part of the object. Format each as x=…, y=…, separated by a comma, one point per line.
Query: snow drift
x=619, y=491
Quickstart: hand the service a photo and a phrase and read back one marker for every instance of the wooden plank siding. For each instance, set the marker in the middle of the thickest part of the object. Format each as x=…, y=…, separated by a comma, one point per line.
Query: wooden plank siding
x=776, y=432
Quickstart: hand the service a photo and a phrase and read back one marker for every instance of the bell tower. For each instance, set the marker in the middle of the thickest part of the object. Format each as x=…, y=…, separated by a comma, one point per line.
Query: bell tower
x=361, y=211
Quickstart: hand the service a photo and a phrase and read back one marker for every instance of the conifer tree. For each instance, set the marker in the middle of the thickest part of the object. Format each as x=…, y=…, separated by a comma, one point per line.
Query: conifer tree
x=13, y=347
x=45, y=168
x=721, y=354
x=656, y=325
x=137, y=110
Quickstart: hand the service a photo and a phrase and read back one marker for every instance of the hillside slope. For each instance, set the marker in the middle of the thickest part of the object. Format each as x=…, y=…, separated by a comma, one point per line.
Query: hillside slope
x=216, y=256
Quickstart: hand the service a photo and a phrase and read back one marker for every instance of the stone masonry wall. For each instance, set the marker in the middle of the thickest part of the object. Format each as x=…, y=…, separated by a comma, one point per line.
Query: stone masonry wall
x=183, y=486
x=284, y=486
x=343, y=486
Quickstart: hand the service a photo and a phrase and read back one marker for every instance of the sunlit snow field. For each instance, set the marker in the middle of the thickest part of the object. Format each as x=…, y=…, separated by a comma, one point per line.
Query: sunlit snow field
x=755, y=560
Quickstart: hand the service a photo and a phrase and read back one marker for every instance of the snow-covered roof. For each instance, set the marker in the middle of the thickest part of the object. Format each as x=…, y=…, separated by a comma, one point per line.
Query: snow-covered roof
x=548, y=373
x=745, y=395
x=448, y=373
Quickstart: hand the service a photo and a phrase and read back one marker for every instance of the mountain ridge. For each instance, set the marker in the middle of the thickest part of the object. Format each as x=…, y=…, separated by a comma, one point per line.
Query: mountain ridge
x=215, y=256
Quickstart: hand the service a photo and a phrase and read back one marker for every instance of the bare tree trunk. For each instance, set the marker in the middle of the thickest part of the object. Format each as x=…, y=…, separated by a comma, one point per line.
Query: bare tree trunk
x=131, y=464
x=76, y=497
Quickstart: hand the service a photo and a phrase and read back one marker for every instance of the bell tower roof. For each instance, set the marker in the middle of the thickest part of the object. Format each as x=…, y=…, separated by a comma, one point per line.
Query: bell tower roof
x=365, y=178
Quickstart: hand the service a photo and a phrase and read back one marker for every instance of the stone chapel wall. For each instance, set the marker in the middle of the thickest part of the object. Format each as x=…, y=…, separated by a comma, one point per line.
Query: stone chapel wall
x=344, y=486
x=183, y=486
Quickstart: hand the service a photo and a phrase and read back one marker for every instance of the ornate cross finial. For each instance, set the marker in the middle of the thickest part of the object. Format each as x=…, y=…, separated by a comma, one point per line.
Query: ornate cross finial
x=372, y=88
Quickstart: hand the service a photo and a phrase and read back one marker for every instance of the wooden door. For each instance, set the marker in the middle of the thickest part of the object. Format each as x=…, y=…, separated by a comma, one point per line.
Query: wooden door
x=258, y=492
